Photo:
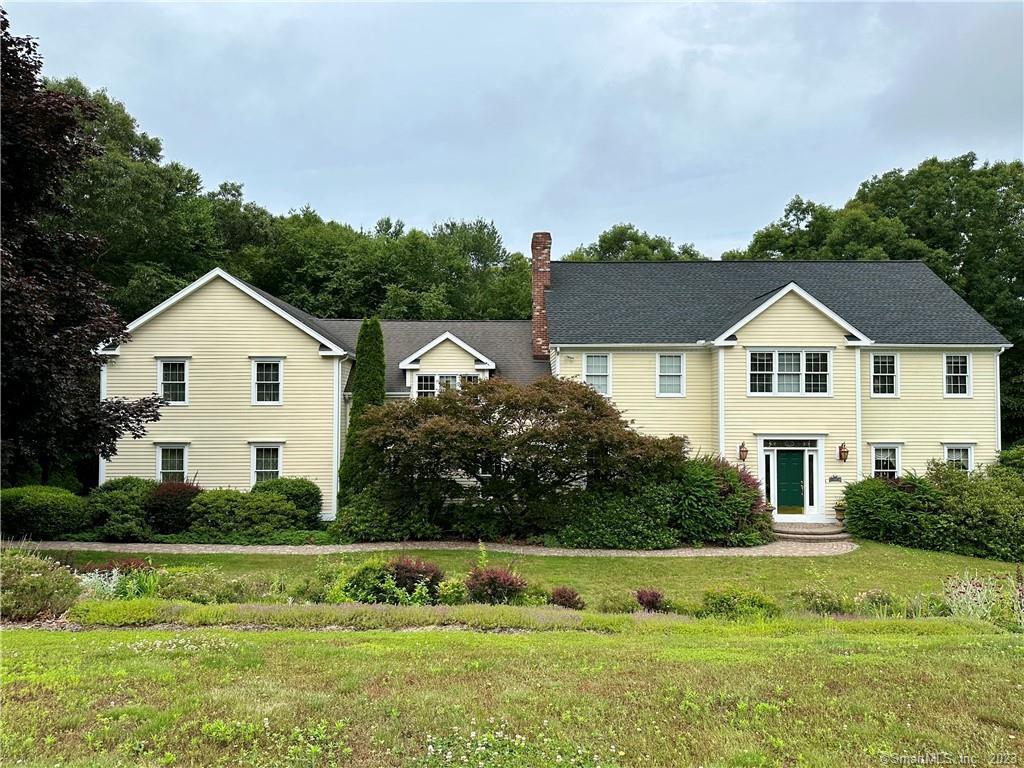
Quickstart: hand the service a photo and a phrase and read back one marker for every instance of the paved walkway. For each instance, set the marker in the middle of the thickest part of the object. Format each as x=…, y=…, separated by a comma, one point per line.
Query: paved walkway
x=774, y=549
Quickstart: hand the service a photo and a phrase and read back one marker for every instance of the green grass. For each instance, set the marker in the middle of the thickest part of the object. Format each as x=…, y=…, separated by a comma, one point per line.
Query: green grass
x=904, y=572
x=807, y=692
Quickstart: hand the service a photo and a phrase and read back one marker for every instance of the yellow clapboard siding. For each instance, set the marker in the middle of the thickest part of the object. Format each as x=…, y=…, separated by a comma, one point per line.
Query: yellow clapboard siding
x=447, y=357
x=218, y=327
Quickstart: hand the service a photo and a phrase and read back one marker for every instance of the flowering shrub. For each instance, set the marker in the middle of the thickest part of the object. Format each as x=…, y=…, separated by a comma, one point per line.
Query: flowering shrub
x=567, y=597
x=494, y=585
x=34, y=586
x=878, y=603
x=651, y=600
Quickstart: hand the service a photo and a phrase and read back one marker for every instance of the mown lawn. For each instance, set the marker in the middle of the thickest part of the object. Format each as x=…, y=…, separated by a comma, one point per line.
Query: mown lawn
x=904, y=572
x=810, y=692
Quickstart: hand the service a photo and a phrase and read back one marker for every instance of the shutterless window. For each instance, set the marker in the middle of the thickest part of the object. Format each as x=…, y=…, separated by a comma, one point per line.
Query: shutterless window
x=596, y=373
x=468, y=378
x=958, y=375
x=816, y=372
x=960, y=456
x=789, y=372
x=883, y=375
x=267, y=381
x=266, y=462
x=174, y=381
x=426, y=385
x=172, y=463
x=762, y=367
x=447, y=381
x=886, y=459
x=670, y=375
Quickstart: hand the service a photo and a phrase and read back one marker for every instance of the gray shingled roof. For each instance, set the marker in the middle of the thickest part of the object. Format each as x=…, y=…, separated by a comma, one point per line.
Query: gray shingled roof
x=506, y=342
x=683, y=302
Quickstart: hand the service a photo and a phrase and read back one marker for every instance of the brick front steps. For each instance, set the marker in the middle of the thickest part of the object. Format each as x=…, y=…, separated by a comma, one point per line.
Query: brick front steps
x=810, y=532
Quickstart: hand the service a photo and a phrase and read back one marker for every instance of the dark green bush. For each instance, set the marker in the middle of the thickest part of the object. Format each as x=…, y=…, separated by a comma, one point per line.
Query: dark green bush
x=120, y=516
x=980, y=513
x=140, y=487
x=42, y=512
x=167, y=506
x=618, y=521
x=34, y=587
x=366, y=517
x=734, y=602
x=1013, y=458
x=303, y=493
x=222, y=513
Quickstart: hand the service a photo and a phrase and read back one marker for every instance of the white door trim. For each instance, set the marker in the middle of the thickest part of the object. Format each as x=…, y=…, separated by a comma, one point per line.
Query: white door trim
x=814, y=509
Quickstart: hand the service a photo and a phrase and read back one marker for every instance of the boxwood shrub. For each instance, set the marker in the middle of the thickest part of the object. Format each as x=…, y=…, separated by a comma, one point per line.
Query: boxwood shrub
x=300, y=491
x=42, y=512
x=224, y=513
x=119, y=515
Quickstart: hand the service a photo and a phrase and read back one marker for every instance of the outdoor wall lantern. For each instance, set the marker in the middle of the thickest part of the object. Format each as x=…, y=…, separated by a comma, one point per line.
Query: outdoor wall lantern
x=844, y=452
x=742, y=451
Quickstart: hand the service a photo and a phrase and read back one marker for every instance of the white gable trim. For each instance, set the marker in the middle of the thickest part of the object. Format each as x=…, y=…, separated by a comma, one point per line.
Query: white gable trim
x=777, y=296
x=209, y=277
x=412, y=362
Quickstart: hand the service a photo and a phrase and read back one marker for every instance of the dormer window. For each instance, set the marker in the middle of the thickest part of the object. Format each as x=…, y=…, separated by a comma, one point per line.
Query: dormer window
x=433, y=384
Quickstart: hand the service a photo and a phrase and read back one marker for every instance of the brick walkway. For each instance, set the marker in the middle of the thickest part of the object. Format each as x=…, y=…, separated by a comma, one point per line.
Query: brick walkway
x=774, y=549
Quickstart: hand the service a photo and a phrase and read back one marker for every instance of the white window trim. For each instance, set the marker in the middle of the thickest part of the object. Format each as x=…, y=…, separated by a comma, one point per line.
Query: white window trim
x=871, y=381
x=969, y=447
x=160, y=378
x=252, y=459
x=658, y=374
x=970, y=376
x=609, y=374
x=159, y=459
x=414, y=390
x=803, y=371
x=280, y=390
x=899, y=456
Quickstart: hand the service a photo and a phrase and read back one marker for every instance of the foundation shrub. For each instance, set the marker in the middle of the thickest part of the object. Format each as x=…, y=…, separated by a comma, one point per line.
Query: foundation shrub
x=42, y=512
x=168, y=506
x=300, y=491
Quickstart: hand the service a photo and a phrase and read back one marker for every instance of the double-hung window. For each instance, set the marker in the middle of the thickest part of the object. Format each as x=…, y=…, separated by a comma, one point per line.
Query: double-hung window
x=789, y=372
x=960, y=456
x=171, y=463
x=266, y=461
x=597, y=372
x=172, y=380
x=433, y=384
x=957, y=375
x=885, y=375
x=886, y=461
x=671, y=375
x=267, y=381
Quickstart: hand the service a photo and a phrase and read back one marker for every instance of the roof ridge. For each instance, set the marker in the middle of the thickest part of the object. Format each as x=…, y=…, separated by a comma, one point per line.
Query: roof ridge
x=749, y=261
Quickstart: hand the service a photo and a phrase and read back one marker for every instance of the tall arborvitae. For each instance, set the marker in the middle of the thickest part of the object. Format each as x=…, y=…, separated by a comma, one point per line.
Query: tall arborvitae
x=367, y=389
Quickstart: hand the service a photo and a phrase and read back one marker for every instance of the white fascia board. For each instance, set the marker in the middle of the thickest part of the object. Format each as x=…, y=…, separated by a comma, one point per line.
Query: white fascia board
x=782, y=293
x=214, y=273
x=412, y=361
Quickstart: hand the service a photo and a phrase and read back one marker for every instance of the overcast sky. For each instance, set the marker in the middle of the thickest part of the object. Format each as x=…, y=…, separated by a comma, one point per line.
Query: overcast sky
x=697, y=121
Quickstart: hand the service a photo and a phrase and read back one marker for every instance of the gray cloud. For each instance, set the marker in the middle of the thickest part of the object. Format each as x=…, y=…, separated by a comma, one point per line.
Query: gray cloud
x=694, y=120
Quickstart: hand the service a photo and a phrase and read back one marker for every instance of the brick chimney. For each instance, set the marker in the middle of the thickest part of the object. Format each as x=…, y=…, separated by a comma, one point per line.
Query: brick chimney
x=540, y=248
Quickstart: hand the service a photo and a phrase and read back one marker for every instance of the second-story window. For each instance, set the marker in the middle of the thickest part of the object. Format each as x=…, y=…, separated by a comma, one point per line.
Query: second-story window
x=958, y=375
x=883, y=376
x=789, y=372
x=597, y=371
x=173, y=380
x=670, y=375
x=267, y=381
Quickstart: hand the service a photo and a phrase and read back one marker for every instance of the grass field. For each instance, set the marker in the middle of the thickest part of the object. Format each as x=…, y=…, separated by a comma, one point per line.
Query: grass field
x=902, y=571
x=810, y=692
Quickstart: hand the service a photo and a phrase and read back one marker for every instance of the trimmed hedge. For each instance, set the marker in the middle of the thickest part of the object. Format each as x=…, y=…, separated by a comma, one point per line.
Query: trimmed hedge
x=303, y=493
x=224, y=513
x=120, y=515
x=980, y=513
x=42, y=512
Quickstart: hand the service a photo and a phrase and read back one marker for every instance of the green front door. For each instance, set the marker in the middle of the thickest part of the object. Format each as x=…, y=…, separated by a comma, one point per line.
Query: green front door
x=791, y=482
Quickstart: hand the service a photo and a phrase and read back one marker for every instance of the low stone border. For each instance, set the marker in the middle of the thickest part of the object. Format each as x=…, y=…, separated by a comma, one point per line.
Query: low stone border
x=773, y=549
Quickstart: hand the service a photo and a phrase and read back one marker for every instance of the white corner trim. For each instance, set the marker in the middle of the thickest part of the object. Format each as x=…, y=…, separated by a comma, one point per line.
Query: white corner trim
x=782, y=293
x=412, y=361
x=857, y=409
x=999, y=406
x=102, y=473
x=721, y=402
x=332, y=506
x=232, y=280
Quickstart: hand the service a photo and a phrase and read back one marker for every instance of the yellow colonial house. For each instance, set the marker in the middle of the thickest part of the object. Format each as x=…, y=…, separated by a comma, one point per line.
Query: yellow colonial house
x=811, y=374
